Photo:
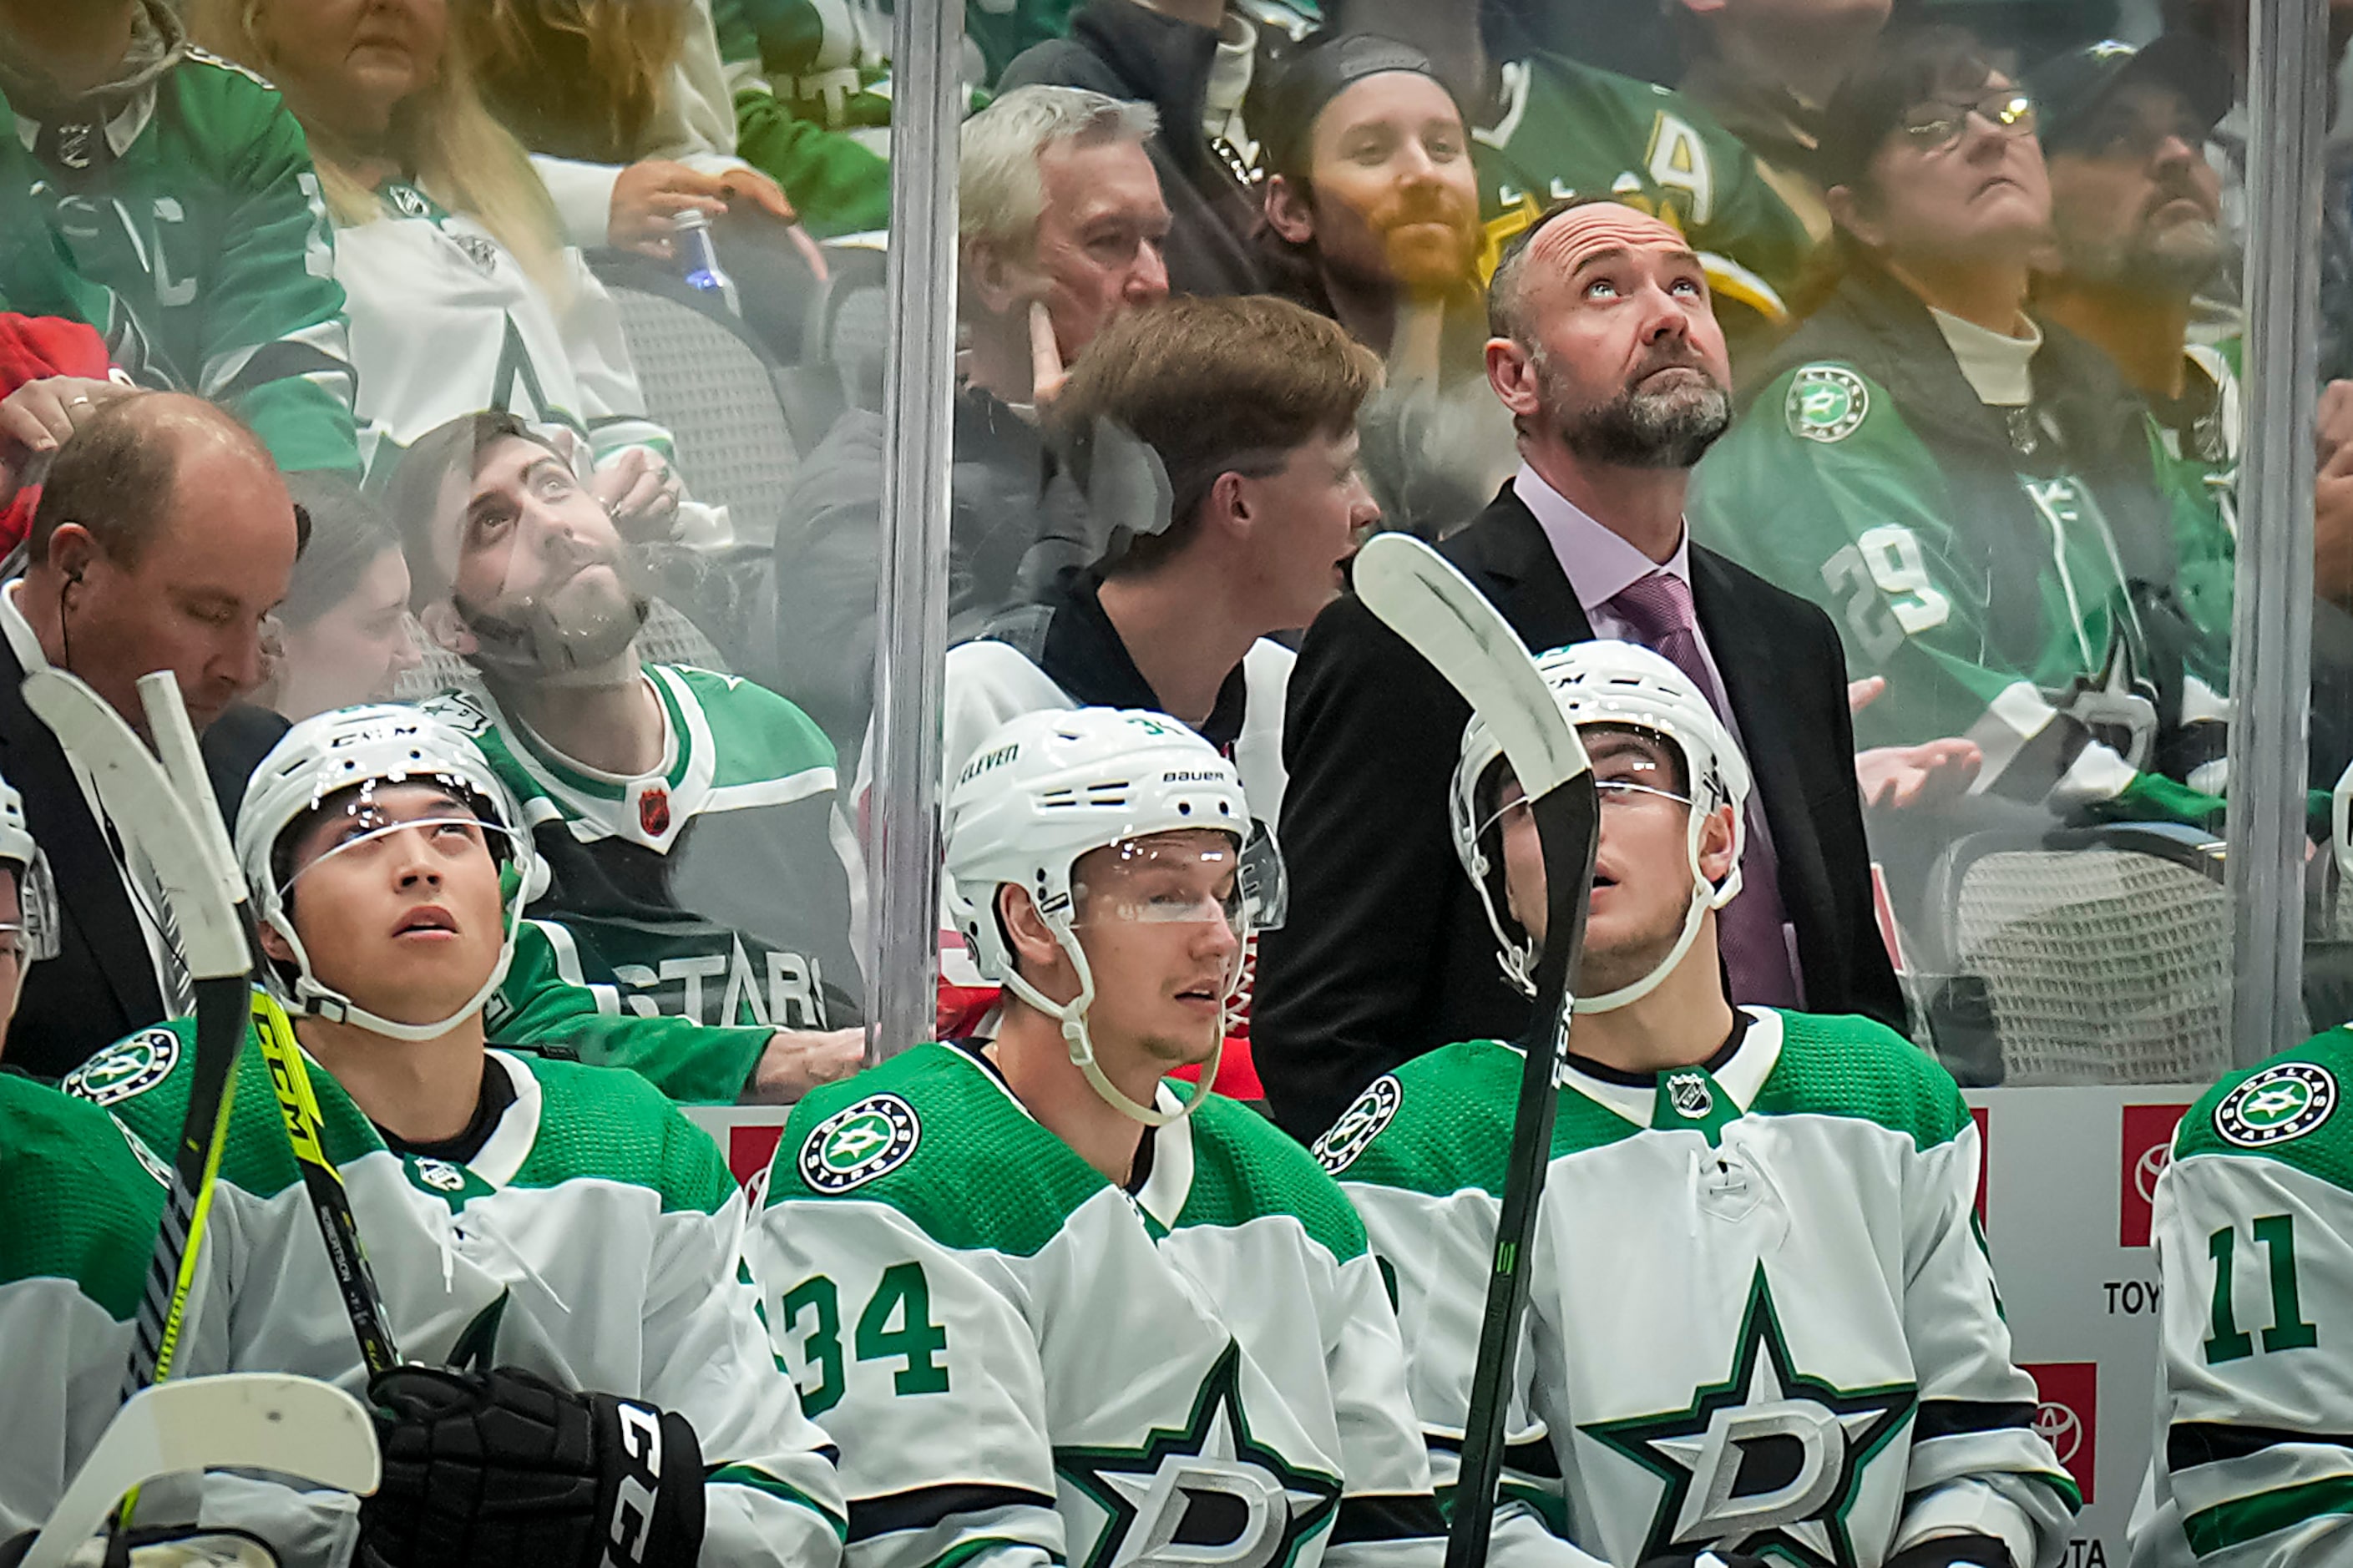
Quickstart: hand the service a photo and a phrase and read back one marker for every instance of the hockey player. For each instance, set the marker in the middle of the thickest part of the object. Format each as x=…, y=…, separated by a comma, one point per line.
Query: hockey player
x=697, y=926
x=73, y=1262
x=557, y=1246
x=2253, y=1228
x=1055, y=1309
x=1774, y=1208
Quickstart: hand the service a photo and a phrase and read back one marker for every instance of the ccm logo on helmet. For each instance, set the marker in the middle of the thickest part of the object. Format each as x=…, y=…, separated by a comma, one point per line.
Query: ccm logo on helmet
x=633, y=1499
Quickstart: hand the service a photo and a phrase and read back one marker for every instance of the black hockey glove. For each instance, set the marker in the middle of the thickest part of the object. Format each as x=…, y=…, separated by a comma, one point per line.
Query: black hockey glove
x=502, y=1468
x=1953, y=1550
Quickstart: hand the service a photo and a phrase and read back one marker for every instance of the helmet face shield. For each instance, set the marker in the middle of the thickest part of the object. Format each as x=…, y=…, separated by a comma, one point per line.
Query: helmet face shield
x=363, y=827
x=36, y=909
x=1187, y=876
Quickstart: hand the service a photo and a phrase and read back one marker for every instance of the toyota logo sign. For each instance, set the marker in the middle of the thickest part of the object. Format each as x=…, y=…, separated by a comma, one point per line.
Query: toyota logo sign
x=2057, y=1426
x=2153, y=1161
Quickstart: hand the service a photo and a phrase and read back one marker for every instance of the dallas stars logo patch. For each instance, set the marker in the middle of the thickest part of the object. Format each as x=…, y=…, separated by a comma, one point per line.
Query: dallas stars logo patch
x=1358, y=1125
x=125, y=1068
x=2276, y=1104
x=852, y=1147
x=1207, y=1493
x=1769, y=1460
x=1826, y=404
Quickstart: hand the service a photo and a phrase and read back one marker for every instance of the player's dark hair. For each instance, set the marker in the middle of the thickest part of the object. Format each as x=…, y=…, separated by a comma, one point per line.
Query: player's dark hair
x=348, y=532
x=413, y=496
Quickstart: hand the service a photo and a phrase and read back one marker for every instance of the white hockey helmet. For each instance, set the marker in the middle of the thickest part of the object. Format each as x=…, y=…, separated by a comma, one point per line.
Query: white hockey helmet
x=37, y=894
x=1624, y=685
x=1049, y=786
x=359, y=747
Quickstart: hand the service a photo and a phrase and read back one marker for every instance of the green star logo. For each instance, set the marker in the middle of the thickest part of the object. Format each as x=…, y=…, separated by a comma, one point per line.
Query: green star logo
x=1209, y=1488
x=1826, y=402
x=1768, y=1461
x=853, y=1146
x=2276, y=1104
x=125, y=1068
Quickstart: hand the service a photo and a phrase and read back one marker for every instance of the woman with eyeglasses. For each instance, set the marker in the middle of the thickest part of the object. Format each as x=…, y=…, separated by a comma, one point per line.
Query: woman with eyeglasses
x=1966, y=490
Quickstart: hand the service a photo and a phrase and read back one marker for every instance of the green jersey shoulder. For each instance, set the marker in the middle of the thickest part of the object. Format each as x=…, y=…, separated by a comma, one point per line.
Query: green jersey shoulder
x=599, y=1124
x=84, y=1201
x=2291, y=1108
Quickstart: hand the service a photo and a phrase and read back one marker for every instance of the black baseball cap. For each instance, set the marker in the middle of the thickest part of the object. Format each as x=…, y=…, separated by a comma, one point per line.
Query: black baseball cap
x=1314, y=75
x=2068, y=89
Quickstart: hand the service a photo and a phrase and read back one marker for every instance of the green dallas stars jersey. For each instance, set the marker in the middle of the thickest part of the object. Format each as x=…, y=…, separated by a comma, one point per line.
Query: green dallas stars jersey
x=208, y=226
x=695, y=909
x=788, y=126
x=594, y=1240
x=1762, y=1318
x=2253, y=1230
x=1024, y=1364
x=73, y=1263
x=2197, y=469
x=1994, y=600
x=1568, y=128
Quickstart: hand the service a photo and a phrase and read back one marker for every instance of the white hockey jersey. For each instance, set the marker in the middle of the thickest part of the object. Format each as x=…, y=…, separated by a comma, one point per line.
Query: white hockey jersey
x=73, y=1264
x=1761, y=1319
x=1025, y=1365
x=595, y=1240
x=2253, y=1229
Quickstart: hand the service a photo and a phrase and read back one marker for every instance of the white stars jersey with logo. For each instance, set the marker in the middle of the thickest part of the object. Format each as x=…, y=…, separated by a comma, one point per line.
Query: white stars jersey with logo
x=1023, y=1363
x=1762, y=1318
x=594, y=1239
x=2253, y=1229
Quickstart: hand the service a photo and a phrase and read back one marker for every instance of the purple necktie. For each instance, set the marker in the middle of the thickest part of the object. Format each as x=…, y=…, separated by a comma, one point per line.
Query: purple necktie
x=1657, y=608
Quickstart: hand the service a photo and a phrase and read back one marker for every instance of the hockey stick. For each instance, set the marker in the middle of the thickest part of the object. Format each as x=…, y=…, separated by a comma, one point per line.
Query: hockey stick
x=298, y=1105
x=1427, y=602
x=213, y=942
x=248, y=1420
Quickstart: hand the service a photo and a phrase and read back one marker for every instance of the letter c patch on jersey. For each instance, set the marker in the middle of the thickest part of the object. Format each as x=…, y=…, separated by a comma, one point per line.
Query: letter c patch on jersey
x=853, y=1146
x=2276, y=1104
x=1827, y=403
x=126, y=1067
x=1358, y=1125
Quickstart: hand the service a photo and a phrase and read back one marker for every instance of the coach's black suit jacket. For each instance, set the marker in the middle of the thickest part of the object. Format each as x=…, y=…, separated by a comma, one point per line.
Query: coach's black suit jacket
x=101, y=984
x=1386, y=953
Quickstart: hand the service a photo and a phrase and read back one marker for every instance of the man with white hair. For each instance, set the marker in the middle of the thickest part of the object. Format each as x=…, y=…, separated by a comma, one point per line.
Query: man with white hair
x=1060, y=229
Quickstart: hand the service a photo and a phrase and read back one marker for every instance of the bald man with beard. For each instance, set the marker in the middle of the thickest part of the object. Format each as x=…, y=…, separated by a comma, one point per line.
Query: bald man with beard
x=1608, y=357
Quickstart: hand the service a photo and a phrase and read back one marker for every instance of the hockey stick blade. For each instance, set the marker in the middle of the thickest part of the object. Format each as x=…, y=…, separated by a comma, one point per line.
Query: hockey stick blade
x=251, y=1420
x=1421, y=597
x=213, y=942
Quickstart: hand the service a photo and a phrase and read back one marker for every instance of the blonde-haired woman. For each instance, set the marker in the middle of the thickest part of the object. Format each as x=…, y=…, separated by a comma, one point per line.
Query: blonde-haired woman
x=462, y=292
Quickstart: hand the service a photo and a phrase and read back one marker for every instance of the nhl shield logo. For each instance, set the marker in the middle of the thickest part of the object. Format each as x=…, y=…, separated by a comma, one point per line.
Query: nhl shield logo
x=1689, y=1094
x=653, y=812
x=1358, y=1125
x=440, y=1176
x=2276, y=1104
x=1826, y=404
x=125, y=1068
x=852, y=1147
x=77, y=145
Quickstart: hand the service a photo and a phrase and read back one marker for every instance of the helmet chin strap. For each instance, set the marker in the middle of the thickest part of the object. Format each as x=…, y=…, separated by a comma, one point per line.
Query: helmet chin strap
x=1073, y=1017
x=1705, y=896
x=312, y=1000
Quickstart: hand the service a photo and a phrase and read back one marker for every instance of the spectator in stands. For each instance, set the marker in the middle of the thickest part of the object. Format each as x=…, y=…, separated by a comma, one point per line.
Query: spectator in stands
x=343, y=631
x=1609, y=359
x=463, y=293
x=1164, y=52
x=1765, y=71
x=1372, y=218
x=1546, y=128
x=1967, y=489
x=179, y=186
x=698, y=926
x=838, y=183
x=164, y=541
x=1220, y=434
x=1061, y=223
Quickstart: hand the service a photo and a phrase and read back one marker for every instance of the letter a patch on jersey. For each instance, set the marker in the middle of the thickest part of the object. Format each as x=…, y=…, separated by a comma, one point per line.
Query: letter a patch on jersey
x=853, y=1146
x=1769, y=1461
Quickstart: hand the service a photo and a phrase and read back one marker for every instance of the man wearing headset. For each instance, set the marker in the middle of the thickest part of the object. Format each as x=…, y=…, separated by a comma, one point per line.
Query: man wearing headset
x=555, y=1245
x=1054, y=1307
x=1764, y=1329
